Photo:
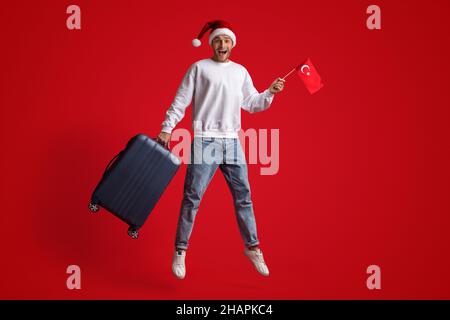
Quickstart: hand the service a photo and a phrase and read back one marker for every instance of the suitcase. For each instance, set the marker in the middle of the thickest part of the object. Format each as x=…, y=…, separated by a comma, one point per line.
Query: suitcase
x=134, y=180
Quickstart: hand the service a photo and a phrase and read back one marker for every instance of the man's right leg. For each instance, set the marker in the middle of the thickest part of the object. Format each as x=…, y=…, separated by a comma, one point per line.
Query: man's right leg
x=198, y=175
x=197, y=179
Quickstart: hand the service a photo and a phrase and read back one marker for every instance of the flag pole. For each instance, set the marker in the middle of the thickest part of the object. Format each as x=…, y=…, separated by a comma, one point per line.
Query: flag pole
x=289, y=73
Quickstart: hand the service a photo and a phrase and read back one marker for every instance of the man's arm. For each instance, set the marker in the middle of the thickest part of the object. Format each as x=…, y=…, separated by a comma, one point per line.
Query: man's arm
x=178, y=107
x=255, y=101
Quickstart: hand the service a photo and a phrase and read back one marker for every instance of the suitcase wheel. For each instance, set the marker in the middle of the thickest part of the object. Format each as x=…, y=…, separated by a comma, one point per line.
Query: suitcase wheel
x=93, y=207
x=133, y=233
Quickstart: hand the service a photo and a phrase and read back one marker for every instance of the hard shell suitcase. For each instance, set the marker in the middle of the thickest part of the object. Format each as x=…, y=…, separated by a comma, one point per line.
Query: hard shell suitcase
x=134, y=180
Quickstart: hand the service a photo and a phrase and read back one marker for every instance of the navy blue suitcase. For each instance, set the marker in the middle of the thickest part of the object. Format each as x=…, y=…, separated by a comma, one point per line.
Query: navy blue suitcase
x=134, y=180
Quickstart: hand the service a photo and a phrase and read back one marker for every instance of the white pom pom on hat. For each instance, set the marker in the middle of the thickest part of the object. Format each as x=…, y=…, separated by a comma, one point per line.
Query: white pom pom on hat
x=217, y=27
x=196, y=43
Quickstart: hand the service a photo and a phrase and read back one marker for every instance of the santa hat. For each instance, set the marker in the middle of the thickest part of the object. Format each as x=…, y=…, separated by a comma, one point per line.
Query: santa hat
x=217, y=27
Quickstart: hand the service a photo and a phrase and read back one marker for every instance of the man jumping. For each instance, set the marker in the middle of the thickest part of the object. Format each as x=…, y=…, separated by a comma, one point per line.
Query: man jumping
x=219, y=88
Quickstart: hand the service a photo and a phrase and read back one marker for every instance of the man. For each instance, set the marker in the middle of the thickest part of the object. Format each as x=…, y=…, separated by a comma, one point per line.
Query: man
x=219, y=89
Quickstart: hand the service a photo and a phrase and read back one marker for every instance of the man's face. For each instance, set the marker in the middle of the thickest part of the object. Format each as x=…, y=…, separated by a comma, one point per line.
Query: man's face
x=222, y=46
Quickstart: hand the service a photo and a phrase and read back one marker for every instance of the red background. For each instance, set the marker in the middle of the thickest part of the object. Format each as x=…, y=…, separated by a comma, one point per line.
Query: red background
x=364, y=163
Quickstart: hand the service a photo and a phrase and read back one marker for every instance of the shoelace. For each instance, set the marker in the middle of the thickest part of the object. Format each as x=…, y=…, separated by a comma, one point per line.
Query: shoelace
x=259, y=257
x=178, y=261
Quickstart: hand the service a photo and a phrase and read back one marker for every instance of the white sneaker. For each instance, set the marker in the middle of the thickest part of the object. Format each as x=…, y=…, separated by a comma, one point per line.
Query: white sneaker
x=256, y=257
x=178, y=266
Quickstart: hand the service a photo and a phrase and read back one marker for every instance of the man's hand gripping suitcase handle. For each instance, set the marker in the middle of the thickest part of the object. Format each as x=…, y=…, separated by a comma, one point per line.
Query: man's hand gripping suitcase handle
x=164, y=139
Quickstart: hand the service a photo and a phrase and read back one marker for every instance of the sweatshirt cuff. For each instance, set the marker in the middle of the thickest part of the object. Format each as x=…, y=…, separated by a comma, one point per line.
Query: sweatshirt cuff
x=167, y=129
x=269, y=94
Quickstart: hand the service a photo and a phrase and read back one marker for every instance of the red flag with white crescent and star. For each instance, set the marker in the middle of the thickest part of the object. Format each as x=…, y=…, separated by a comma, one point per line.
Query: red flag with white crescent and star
x=309, y=75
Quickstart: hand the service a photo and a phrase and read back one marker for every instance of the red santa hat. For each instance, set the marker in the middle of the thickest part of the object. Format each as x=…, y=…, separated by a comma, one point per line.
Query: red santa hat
x=217, y=27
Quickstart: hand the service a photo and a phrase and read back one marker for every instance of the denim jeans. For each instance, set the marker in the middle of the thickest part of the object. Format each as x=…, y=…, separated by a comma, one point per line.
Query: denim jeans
x=208, y=154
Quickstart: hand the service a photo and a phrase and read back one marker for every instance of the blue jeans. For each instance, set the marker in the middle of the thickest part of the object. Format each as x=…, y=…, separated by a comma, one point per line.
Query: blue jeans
x=208, y=154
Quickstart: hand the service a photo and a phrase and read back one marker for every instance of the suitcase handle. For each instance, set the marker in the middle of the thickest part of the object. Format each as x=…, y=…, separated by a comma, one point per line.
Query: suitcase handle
x=111, y=162
x=117, y=155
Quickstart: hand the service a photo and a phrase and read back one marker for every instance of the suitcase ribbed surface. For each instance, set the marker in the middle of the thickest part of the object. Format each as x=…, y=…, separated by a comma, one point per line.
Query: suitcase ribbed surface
x=136, y=181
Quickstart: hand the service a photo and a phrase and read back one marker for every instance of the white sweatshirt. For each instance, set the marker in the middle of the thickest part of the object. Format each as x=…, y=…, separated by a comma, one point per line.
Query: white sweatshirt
x=219, y=90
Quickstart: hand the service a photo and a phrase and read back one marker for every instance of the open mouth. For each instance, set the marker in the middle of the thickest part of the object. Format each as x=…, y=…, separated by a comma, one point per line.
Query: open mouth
x=222, y=53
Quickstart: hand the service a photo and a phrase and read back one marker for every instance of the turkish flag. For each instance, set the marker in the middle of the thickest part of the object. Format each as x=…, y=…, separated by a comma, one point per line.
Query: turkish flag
x=309, y=75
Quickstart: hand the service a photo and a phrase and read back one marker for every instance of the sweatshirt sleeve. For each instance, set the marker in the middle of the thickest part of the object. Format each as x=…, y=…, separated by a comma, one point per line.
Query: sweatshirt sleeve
x=181, y=101
x=253, y=100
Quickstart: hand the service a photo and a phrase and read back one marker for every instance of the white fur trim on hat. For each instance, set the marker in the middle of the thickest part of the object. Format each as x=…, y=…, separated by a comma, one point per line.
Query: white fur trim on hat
x=224, y=31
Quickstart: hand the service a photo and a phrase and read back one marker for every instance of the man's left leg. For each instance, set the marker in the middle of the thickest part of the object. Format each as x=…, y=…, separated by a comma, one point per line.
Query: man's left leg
x=235, y=172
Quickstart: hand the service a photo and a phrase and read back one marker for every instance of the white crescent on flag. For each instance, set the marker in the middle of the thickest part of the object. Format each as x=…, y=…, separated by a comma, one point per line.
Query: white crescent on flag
x=305, y=66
